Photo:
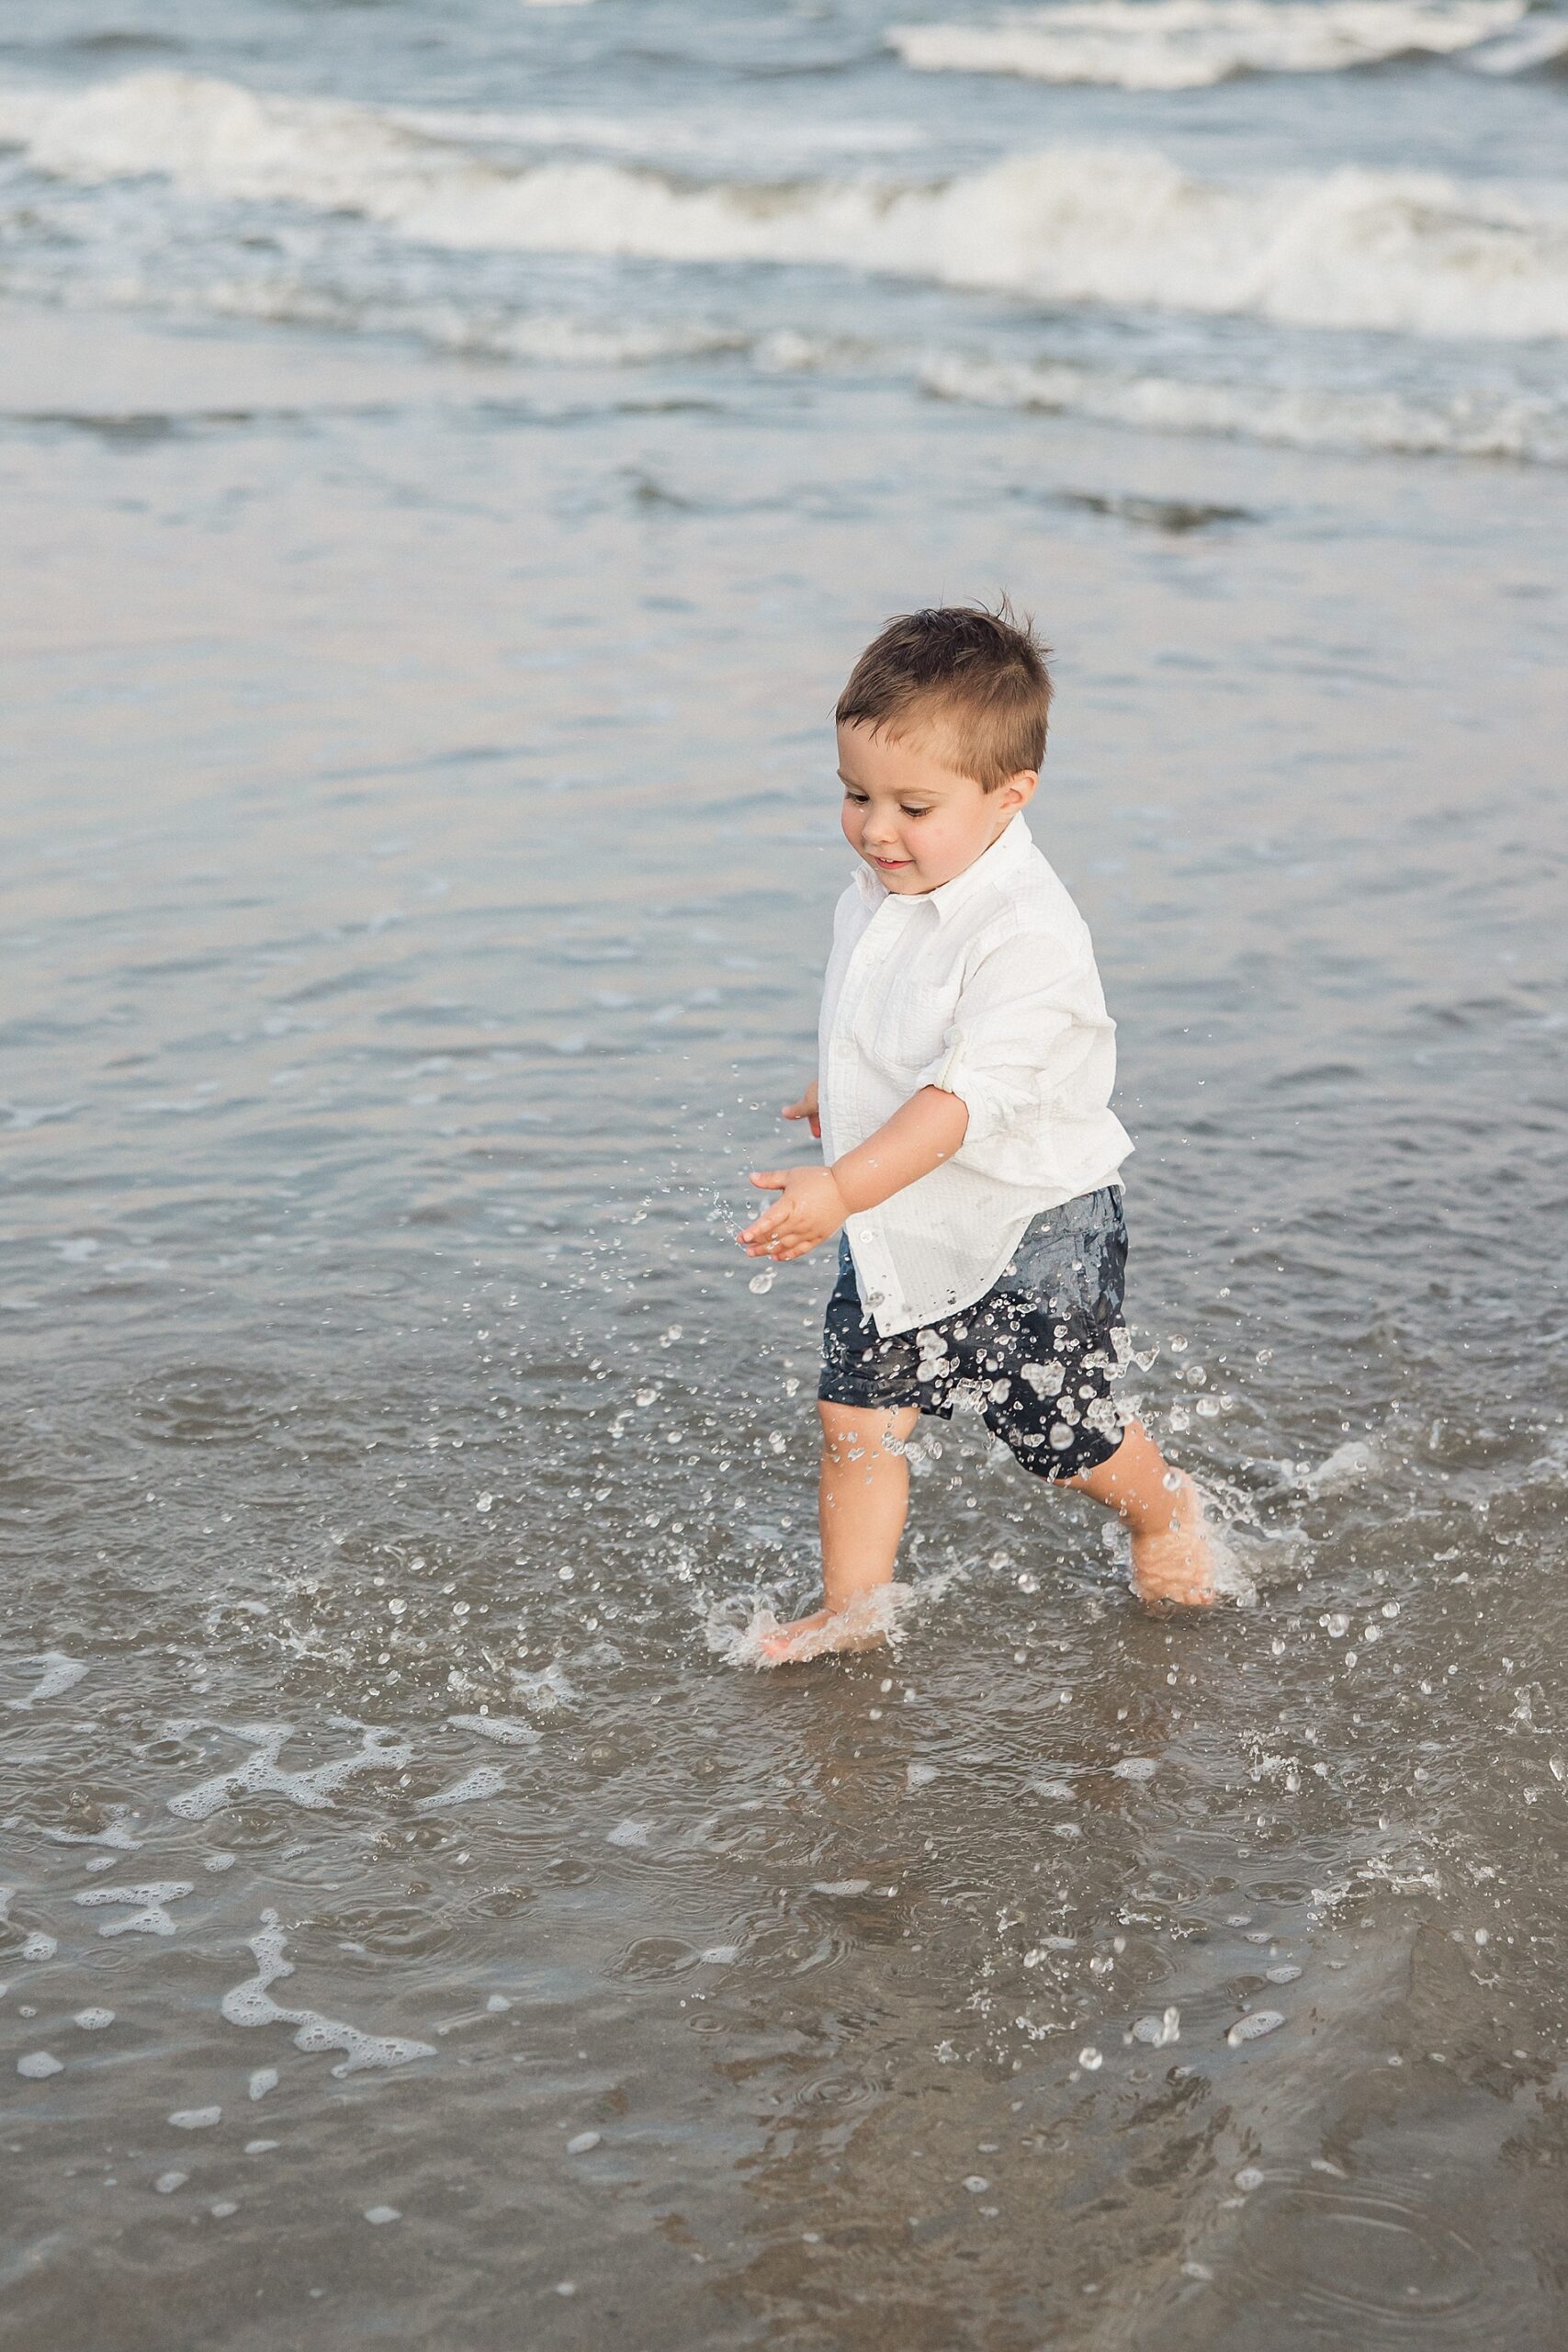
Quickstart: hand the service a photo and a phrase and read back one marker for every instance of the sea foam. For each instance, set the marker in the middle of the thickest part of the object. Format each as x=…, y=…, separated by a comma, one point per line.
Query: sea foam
x=262, y=1774
x=59, y=1674
x=1188, y=44
x=1403, y=251
x=1529, y=427
x=250, y=2004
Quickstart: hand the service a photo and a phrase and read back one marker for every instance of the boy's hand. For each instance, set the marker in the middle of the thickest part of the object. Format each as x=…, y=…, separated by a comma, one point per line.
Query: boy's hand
x=811, y=1208
x=806, y=1109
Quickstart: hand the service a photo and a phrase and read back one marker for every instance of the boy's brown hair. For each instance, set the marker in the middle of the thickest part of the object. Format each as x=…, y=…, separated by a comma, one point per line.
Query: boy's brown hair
x=979, y=676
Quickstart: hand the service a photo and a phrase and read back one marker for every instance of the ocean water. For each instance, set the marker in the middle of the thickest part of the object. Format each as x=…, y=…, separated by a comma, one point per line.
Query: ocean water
x=449, y=458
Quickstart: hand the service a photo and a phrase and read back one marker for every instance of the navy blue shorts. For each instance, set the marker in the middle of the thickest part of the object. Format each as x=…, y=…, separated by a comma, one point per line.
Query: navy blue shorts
x=1036, y=1355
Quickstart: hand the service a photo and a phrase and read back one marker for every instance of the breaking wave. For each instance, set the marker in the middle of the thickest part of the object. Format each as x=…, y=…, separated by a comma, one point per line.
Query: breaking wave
x=1412, y=253
x=1189, y=44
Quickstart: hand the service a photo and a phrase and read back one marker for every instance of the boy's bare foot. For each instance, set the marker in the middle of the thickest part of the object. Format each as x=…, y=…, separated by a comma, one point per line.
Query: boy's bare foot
x=864, y=1624
x=1176, y=1565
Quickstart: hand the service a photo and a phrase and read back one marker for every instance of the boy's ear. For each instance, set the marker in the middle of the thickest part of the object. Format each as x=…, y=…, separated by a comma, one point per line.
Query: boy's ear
x=1019, y=789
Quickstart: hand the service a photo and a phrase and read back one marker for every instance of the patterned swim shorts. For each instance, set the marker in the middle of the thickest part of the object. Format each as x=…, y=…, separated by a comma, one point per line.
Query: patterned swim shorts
x=1036, y=1355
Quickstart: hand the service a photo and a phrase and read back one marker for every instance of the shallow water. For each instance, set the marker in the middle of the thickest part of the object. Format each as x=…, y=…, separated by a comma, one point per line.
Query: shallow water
x=421, y=842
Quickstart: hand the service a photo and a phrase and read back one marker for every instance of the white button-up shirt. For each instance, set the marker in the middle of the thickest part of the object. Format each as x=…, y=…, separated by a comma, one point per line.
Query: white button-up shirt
x=986, y=988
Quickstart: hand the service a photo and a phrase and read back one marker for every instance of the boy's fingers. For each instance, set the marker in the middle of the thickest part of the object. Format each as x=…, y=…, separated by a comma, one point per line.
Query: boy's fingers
x=768, y=1179
x=816, y=1126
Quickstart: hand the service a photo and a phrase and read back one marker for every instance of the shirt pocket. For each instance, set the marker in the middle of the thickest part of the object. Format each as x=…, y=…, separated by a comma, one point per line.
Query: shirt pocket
x=905, y=1027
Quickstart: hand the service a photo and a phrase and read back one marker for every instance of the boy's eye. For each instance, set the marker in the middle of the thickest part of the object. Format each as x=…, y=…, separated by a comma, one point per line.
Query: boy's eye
x=913, y=812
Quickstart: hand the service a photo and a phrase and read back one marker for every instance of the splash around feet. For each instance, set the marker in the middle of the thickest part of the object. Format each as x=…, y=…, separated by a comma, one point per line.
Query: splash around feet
x=867, y=1622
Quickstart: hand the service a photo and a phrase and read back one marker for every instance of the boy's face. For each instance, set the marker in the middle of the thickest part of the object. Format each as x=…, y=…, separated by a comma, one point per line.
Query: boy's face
x=915, y=821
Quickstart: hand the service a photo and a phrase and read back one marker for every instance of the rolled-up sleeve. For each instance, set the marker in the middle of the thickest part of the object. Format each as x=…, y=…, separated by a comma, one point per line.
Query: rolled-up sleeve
x=1027, y=1017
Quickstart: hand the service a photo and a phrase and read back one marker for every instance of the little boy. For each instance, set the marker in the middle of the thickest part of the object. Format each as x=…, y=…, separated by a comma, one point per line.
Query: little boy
x=964, y=1069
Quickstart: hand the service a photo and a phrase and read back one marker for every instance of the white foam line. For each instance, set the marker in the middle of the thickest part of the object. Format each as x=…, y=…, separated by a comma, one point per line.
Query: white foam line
x=60, y=1674
x=149, y=1917
x=262, y=1774
x=507, y=1731
x=484, y=1781
x=1189, y=44
x=1503, y=425
x=250, y=2004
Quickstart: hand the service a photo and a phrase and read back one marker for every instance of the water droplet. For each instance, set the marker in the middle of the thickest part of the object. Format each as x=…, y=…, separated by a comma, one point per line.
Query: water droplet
x=1090, y=2059
x=762, y=1282
x=1158, y=2032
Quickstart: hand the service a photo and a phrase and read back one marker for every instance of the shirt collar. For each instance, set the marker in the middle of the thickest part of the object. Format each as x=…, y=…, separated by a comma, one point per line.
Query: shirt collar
x=1011, y=845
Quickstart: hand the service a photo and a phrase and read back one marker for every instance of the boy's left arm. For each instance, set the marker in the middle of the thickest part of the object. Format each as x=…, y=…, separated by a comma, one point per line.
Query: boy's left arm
x=814, y=1202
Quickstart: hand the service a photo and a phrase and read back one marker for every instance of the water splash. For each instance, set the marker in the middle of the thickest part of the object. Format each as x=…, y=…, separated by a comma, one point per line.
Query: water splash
x=752, y=1638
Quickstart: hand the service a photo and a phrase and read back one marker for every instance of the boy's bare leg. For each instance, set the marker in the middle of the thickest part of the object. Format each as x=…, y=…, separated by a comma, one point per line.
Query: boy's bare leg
x=861, y=1502
x=1171, y=1556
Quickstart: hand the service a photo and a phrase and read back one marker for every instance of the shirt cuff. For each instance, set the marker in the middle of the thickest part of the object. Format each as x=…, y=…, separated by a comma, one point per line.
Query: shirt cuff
x=992, y=1104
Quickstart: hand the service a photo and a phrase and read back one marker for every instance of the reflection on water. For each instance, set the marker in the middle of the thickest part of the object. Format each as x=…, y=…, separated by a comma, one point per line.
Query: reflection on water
x=412, y=1928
